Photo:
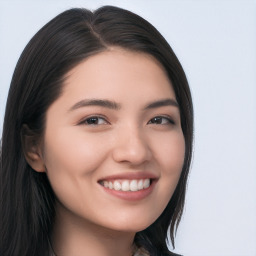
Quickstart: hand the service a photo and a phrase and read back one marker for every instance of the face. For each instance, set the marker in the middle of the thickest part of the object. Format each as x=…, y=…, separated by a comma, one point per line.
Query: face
x=113, y=147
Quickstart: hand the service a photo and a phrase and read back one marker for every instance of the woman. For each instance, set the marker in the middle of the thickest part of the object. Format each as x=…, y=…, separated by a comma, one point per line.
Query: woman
x=97, y=139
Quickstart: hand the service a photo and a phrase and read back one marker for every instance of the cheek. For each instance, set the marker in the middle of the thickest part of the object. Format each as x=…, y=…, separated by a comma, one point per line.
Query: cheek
x=71, y=158
x=170, y=152
x=67, y=151
x=171, y=159
x=175, y=156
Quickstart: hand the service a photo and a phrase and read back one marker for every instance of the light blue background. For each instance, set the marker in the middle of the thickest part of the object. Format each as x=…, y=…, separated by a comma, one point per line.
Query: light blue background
x=216, y=44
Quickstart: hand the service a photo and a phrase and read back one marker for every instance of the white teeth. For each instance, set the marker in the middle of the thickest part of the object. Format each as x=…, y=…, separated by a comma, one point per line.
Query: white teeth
x=127, y=185
x=105, y=184
x=117, y=185
x=140, y=185
x=146, y=183
x=134, y=185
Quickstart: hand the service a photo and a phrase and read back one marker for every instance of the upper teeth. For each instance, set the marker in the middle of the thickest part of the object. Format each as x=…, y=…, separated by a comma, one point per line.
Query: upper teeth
x=127, y=185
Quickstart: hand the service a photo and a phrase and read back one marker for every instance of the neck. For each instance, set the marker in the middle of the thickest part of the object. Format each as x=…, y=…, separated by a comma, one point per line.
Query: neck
x=75, y=236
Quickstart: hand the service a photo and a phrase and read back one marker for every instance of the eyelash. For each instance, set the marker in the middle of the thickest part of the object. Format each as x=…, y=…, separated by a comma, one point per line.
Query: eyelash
x=90, y=120
x=94, y=120
x=169, y=121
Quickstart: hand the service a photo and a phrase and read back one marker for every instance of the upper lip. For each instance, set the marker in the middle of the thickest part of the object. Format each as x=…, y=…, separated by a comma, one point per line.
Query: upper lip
x=130, y=176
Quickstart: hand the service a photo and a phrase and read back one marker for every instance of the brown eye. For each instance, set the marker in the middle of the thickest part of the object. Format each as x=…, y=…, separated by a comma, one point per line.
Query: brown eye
x=94, y=120
x=161, y=120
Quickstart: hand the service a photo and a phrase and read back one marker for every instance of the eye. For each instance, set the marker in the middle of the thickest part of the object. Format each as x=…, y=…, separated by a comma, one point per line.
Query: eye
x=161, y=120
x=94, y=120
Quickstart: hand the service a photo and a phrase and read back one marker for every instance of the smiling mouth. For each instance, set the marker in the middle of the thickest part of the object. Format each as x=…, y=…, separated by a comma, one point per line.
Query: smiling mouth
x=126, y=185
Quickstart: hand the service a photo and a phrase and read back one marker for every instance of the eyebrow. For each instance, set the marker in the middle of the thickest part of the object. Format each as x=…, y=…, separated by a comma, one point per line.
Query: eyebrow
x=162, y=103
x=115, y=106
x=96, y=102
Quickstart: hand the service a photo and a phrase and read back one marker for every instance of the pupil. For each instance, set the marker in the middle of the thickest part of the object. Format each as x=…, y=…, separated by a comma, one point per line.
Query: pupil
x=158, y=120
x=93, y=120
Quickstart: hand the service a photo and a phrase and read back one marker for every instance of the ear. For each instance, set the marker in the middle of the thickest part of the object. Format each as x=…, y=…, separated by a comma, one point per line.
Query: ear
x=31, y=149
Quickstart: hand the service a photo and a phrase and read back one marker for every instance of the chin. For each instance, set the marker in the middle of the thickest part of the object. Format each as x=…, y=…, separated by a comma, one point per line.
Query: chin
x=131, y=225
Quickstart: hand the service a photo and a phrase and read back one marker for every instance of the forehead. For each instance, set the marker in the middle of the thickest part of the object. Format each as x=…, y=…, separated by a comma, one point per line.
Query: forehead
x=116, y=69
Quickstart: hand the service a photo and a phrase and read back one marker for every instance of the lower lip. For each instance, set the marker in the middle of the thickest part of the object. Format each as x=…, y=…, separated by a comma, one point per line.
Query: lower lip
x=131, y=195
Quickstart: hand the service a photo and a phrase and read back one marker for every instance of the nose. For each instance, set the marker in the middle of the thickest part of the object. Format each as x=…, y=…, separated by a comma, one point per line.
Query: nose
x=132, y=146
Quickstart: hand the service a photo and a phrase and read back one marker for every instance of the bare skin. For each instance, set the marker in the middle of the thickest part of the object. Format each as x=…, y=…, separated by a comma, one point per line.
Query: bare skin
x=98, y=241
x=116, y=124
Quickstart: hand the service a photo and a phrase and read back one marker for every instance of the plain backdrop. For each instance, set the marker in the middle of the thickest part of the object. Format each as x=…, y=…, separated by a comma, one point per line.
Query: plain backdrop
x=216, y=44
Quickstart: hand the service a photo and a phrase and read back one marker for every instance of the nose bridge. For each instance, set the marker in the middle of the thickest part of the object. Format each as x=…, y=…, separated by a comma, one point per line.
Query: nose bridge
x=131, y=145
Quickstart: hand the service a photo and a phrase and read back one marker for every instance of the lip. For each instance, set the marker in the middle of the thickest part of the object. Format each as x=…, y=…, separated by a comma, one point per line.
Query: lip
x=130, y=195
